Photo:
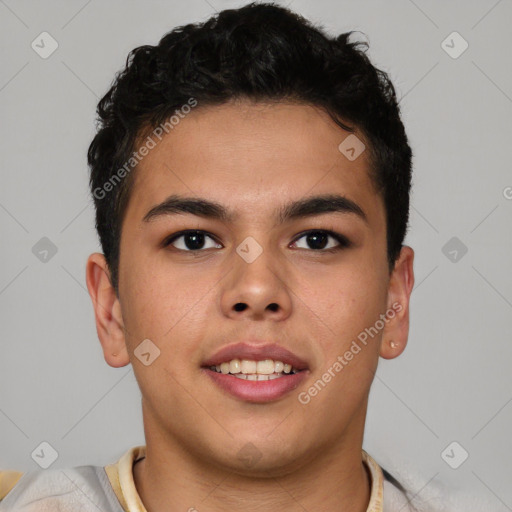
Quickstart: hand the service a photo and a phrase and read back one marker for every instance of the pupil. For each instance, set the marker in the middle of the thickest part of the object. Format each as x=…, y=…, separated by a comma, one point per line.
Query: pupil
x=314, y=238
x=197, y=240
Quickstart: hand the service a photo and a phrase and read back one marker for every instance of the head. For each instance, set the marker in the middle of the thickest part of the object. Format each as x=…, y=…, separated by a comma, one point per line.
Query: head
x=259, y=52
x=249, y=112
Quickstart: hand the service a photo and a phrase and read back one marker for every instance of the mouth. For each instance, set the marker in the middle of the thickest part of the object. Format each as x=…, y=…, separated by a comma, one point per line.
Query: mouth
x=256, y=373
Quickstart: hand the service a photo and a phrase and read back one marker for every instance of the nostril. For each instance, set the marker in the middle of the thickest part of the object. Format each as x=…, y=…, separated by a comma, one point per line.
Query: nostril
x=240, y=306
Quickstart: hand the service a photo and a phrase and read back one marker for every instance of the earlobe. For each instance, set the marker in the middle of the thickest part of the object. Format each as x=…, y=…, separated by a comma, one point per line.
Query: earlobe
x=107, y=311
x=391, y=349
x=396, y=332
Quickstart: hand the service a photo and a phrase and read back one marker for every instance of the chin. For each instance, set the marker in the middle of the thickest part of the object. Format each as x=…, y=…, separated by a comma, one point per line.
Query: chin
x=262, y=458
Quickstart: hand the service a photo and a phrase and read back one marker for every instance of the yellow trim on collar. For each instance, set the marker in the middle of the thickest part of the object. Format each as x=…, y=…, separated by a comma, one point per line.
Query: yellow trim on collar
x=120, y=475
x=8, y=479
x=377, y=494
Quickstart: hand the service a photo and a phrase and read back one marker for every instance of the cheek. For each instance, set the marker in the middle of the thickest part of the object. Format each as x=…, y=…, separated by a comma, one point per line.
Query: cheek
x=345, y=299
x=348, y=349
x=170, y=306
x=346, y=306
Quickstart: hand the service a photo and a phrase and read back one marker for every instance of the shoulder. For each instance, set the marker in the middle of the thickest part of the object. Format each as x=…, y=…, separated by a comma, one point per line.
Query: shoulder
x=404, y=496
x=71, y=489
x=389, y=494
x=395, y=499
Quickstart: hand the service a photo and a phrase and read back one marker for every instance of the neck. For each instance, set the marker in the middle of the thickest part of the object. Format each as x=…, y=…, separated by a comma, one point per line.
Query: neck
x=170, y=479
x=159, y=487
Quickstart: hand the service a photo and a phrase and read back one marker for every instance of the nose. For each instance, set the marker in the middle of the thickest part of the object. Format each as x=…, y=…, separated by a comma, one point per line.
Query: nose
x=256, y=289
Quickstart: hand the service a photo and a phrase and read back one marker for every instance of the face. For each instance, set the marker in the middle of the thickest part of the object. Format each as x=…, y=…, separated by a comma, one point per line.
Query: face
x=263, y=274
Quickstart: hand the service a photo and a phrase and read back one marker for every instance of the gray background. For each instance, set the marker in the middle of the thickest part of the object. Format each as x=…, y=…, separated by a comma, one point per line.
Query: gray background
x=453, y=382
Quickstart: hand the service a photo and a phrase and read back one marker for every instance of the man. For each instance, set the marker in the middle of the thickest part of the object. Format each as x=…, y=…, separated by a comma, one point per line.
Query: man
x=251, y=181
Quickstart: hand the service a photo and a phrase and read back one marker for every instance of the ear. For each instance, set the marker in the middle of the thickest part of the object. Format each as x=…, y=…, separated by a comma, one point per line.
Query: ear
x=396, y=332
x=107, y=310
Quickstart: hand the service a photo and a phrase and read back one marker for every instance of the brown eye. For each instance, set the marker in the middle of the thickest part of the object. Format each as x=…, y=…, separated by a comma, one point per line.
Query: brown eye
x=190, y=241
x=318, y=240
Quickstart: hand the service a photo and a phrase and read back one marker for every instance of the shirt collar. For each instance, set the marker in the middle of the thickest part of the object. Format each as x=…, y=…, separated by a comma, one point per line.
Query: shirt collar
x=120, y=475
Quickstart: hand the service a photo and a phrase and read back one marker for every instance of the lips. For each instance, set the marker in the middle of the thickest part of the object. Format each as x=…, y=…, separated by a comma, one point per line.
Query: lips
x=256, y=391
x=255, y=352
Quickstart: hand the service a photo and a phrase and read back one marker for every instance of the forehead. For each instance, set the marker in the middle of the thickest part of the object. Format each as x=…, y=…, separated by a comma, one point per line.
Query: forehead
x=252, y=157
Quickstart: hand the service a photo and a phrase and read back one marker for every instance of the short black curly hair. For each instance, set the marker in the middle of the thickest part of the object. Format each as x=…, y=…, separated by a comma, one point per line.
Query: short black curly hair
x=262, y=52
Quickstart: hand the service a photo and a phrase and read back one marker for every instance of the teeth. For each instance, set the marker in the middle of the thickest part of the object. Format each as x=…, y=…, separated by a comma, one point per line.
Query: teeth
x=234, y=366
x=248, y=366
x=254, y=370
x=258, y=377
x=265, y=367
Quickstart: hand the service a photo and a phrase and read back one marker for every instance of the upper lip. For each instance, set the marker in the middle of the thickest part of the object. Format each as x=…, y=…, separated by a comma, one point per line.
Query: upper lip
x=255, y=352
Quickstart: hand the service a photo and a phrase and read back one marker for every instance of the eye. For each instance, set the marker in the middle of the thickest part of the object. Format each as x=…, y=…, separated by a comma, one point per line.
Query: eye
x=319, y=240
x=195, y=240
x=192, y=241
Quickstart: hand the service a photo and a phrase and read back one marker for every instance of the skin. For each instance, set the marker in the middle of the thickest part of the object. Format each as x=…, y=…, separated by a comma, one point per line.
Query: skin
x=252, y=157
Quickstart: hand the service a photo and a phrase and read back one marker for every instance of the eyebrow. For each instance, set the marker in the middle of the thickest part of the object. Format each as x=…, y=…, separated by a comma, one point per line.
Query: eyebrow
x=306, y=207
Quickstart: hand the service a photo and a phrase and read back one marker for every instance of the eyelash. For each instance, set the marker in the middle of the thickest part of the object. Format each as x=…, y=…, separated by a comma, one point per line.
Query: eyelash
x=342, y=240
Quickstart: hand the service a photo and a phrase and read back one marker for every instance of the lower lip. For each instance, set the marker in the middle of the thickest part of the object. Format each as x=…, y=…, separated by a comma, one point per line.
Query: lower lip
x=257, y=390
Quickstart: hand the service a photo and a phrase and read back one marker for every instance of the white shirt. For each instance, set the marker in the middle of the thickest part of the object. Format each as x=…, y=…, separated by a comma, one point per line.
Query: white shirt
x=112, y=488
